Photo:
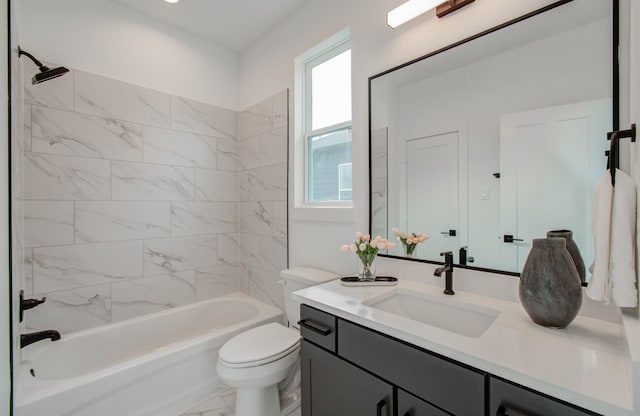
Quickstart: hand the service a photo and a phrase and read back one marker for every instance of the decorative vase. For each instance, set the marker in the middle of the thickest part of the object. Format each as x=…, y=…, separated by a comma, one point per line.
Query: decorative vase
x=410, y=250
x=367, y=269
x=550, y=287
x=572, y=248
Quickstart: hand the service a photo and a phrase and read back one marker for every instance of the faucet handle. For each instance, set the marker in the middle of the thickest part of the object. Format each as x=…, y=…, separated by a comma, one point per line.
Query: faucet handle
x=447, y=253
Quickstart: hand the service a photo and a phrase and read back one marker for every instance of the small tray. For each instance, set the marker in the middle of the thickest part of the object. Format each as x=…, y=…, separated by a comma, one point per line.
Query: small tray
x=380, y=281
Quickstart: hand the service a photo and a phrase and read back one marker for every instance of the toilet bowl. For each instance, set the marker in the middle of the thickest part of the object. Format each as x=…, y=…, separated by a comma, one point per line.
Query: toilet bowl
x=259, y=361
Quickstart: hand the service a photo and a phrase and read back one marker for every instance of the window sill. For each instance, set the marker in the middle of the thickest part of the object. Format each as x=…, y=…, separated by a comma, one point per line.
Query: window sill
x=323, y=213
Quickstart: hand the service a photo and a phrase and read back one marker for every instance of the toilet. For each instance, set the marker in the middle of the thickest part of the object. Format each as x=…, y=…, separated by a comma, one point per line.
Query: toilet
x=262, y=363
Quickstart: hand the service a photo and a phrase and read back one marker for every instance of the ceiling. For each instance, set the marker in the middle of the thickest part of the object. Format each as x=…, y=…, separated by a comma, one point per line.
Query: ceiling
x=233, y=24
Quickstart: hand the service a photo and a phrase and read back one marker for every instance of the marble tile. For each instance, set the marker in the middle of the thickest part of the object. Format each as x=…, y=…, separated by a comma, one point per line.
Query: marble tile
x=194, y=218
x=266, y=184
x=279, y=219
x=274, y=147
x=48, y=223
x=250, y=156
x=220, y=403
x=273, y=253
x=217, y=185
x=72, y=310
x=26, y=132
x=110, y=98
x=228, y=154
x=195, y=117
x=249, y=250
x=28, y=272
x=55, y=177
x=256, y=120
x=74, y=134
x=264, y=286
x=146, y=182
x=169, y=255
x=112, y=221
x=216, y=281
x=171, y=147
x=55, y=93
x=281, y=109
x=69, y=267
x=379, y=152
x=228, y=248
x=255, y=217
x=138, y=297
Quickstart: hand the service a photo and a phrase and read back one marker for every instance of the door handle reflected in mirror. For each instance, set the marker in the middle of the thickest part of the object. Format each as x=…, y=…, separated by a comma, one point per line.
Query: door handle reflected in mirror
x=508, y=238
x=450, y=233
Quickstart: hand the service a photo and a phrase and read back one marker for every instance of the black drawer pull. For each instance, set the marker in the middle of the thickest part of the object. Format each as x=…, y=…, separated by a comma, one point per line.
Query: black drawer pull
x=315, y=327
x=381, y=404
x=503, y=411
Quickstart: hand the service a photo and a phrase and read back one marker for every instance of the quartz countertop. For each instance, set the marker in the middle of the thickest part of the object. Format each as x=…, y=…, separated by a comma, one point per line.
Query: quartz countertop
x=587, y=364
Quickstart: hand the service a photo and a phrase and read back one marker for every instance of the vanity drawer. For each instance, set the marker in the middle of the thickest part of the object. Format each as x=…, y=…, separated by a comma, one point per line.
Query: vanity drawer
x=318, y=327
x=445, y=384
x=507, y=399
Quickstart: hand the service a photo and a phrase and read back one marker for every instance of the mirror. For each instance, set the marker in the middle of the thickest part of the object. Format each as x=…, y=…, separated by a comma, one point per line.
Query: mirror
x=493, y=141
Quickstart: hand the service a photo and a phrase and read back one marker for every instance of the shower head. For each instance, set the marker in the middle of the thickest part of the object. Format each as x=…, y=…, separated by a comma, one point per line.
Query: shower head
x=45, y=73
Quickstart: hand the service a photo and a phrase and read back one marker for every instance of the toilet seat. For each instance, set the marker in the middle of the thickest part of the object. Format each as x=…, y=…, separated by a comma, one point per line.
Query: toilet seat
x=259, y=346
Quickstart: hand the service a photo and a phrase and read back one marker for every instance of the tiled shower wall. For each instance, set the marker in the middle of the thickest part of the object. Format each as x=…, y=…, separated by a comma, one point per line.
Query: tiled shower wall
x=132, y=200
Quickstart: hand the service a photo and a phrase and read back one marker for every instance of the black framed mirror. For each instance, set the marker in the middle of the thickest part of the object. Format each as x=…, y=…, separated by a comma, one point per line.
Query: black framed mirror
x=496, y=139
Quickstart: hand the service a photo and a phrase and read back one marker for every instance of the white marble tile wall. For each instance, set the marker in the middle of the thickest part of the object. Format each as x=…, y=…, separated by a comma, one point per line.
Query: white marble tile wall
x=262, y=212
x=130, y=201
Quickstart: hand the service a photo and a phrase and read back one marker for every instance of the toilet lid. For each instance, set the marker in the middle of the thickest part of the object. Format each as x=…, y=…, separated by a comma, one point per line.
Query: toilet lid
x=260, y=345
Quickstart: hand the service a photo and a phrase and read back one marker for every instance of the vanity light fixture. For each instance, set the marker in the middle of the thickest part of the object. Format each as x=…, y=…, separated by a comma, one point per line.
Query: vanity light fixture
x=172, y=1
x=414, y=8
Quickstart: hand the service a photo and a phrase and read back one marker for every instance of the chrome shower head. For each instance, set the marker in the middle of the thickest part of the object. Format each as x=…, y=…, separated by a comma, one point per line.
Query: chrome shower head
x=45, y=73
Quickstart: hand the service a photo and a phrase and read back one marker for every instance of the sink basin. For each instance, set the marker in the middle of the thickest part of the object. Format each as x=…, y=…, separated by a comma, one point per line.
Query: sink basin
x=464, y=319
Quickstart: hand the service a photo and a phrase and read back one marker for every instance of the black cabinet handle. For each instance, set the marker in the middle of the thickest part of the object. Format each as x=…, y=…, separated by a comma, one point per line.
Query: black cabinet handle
x=381, y=404
x=503, y=411
x=315, y=327
x=408, y=413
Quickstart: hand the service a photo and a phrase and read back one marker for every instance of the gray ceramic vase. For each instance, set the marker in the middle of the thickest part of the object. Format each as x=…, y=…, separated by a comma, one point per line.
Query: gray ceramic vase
x=573, y=249
x=550, y=287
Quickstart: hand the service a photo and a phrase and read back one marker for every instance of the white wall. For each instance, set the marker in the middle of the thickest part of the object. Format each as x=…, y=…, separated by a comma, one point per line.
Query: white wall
x=268, y=66
x=108, y=39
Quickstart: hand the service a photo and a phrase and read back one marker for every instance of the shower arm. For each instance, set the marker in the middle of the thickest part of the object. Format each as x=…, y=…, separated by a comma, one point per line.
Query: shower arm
x=33, y=58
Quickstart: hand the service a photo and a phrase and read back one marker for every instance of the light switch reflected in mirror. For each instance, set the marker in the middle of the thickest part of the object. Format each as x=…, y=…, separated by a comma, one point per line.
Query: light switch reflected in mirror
x=503, y=135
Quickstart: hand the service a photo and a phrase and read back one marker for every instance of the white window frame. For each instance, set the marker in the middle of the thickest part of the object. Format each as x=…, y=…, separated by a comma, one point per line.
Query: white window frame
x=303, y=209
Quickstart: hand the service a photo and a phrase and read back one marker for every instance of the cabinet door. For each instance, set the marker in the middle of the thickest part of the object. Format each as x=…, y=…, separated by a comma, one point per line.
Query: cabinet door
x=332, y=387
x=410, y=405
x=508, y=399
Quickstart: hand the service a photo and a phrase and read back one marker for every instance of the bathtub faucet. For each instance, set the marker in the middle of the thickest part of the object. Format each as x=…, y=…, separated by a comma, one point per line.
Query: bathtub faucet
x=26, y=339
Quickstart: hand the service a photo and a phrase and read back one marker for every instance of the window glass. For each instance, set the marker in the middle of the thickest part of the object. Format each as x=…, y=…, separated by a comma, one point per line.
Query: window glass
x=331, y=91
x=329, y=166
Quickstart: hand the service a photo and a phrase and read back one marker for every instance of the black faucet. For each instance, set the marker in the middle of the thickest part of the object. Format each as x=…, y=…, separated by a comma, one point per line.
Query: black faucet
x=448, y=269
x=26, y=339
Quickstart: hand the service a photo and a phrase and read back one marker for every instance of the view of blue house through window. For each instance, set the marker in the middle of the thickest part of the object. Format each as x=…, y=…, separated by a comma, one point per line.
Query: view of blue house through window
x=328, y=127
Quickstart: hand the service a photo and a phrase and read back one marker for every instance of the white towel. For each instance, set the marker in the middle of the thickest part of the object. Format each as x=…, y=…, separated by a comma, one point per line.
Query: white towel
x=614, y=223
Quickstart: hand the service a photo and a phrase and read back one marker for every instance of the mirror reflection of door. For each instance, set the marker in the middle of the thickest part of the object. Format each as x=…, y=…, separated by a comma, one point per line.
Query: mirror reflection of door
x=432, y=175
x=550, y=161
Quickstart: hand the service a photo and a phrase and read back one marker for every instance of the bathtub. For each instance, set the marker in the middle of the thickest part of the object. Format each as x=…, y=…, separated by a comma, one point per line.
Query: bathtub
x=154, y=365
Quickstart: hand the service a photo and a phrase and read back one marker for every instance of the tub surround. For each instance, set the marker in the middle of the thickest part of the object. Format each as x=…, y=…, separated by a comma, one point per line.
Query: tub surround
x=587, y=364
x=182, y=345
x=137, y=201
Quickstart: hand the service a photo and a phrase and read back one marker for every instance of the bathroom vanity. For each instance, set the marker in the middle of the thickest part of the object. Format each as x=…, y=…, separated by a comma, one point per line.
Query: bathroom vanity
x=385, y=351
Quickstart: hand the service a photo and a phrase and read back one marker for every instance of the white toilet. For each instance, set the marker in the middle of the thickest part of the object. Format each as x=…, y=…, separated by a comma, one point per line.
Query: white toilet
x=257, y=362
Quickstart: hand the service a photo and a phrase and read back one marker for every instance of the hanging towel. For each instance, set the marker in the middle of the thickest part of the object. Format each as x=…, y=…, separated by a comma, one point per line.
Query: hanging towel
x=599, y=288
x=614, y=222
x=623, y=226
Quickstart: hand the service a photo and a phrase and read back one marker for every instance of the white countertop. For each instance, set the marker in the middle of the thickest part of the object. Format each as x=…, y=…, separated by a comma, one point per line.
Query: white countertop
x=587, y=363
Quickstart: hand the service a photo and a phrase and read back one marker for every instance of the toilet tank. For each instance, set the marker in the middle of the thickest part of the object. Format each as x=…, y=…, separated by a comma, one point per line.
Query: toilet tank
x=297, y=278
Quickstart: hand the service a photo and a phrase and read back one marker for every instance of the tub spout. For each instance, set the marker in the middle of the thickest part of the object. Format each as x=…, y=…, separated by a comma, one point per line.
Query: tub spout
x=26, y=339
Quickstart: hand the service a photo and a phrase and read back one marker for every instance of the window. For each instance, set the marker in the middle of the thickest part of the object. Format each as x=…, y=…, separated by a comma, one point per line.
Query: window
x=326, y=125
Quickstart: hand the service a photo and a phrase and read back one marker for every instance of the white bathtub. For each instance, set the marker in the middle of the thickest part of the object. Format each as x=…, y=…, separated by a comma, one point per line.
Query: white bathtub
x=154, y=365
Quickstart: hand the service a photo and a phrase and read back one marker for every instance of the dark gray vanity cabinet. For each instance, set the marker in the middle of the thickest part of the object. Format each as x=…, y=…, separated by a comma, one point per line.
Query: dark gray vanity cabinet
x=509, y=399
x=351, y=370
x=332, y=387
